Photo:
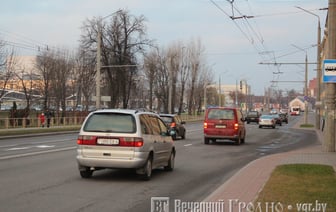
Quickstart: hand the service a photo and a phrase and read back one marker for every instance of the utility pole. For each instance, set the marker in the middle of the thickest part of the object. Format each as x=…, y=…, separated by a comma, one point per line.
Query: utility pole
x=98, y=68
x=329, y=136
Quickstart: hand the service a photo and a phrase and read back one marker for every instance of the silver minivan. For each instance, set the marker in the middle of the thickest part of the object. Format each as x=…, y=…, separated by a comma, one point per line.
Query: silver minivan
x=121, y=138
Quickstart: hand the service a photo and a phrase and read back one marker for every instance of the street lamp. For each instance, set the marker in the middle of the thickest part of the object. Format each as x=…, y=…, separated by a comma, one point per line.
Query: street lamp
x=318, y=69
x=305, y=86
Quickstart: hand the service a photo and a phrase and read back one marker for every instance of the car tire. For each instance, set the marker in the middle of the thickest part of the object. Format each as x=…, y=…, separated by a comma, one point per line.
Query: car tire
x=171, y=162
x=147, y=170
x=87, y=173
x=184, y=135
x=260, y=126
x=206, y=141
x=273, y=127
x=238, y=141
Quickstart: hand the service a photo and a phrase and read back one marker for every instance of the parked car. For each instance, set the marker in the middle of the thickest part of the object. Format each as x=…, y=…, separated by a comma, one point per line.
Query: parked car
x=284, y=117
x=267, y=121
x=252, y=116
x=120, y=138
x=175, y=125
x=224, y=123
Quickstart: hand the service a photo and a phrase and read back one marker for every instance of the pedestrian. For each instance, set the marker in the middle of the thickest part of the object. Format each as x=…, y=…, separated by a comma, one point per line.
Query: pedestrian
x=42, y=119
x=48, y=115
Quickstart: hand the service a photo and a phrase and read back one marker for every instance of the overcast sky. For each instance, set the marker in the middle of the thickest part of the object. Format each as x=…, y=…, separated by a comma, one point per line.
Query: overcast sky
x=233, y=49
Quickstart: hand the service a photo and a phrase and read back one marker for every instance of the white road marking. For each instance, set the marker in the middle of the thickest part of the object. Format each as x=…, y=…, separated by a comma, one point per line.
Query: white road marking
x=187, y=144
x=18, y=148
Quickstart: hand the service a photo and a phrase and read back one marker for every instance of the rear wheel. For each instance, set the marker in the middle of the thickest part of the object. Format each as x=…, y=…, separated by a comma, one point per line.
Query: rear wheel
x=147, y=170
x=86, y=173
x=238, y=141
x=184, y=135
x=171, y=162
x=206, y=140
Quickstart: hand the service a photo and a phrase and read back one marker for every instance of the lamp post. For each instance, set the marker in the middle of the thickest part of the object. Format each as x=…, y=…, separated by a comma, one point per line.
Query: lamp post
x=318, y=69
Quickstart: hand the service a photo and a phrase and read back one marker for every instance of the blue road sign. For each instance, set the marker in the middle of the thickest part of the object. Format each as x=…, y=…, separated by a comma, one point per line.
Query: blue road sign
x=329, y=71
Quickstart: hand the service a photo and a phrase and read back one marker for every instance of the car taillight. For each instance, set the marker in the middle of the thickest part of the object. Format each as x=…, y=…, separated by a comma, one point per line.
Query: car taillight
x=131, y=142
x=205, y=125
x=86, y=140
x=236, y=126
x=173, y=124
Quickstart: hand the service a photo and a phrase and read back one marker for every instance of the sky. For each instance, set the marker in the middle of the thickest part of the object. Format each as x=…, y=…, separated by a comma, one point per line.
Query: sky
x=276, y=31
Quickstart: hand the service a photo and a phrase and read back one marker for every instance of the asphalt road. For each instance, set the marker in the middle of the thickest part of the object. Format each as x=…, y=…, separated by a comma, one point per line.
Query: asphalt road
x=40, y=173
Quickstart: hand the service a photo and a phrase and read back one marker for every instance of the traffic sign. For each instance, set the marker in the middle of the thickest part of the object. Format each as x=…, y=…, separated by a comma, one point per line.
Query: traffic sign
x=329, y=71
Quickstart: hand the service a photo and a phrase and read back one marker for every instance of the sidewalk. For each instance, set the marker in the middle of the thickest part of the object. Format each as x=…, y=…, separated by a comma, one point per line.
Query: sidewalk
x=246, y=184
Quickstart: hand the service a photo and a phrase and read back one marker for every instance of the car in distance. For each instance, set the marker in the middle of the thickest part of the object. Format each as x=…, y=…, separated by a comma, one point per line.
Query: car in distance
x=175, y=125
x=124, y=139
x=224, y=123
x=277, y=119
x=267, y=121
x=284, y=117
x=252, y=116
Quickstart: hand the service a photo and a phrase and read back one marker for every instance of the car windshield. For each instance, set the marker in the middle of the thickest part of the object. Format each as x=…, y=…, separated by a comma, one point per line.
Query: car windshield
x=221, y=114
x=253, y=113
x=110, y=122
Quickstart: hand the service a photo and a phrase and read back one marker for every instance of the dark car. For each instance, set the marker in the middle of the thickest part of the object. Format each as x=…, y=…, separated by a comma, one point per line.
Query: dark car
x=175, y=125
x=252, y=116
x=277, y=118
x=284, y=117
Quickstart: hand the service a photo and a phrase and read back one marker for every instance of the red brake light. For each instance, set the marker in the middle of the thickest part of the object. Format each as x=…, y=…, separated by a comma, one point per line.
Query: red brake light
x=205, y=125
x=86, y=140
x=131, y=142
x=236, y=126
x=173, y=124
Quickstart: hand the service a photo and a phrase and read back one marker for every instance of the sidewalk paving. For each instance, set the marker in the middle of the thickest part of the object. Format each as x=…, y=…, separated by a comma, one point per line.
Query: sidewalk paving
x=246, y=184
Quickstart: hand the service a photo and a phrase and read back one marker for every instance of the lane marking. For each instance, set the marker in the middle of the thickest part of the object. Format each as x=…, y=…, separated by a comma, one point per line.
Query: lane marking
x=37, y=153
x=187, y=145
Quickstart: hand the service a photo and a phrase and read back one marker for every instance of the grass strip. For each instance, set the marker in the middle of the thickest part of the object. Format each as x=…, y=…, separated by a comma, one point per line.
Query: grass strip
x=301, y=187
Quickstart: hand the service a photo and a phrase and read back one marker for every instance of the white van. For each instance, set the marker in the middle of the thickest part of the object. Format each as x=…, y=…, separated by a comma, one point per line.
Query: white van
x=118, y=138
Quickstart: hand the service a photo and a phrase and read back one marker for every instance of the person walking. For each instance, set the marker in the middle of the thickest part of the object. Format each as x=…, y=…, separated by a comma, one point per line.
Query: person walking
x=42, y=119
x=48, y=116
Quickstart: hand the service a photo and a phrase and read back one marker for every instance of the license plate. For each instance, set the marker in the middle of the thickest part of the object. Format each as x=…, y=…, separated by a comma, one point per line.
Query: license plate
x=107, y=141
x=220, y=126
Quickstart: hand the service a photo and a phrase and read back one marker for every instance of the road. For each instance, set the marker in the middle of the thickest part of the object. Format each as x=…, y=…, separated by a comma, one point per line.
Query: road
x=40, y=173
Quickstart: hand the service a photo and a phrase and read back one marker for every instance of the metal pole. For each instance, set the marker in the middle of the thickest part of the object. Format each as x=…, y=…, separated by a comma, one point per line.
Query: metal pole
x=306, y=92
x=98, y=95
x=329, y=136
x=318, y=70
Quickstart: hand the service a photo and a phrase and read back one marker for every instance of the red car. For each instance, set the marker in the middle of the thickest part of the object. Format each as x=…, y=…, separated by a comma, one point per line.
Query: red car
x=224, y=123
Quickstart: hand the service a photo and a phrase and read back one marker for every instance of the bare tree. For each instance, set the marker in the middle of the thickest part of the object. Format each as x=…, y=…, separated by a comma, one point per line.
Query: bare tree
x=85, y=75
x=196, y=50
x=123, y=38
x=7, y=63
x=151, y=61
x=44, y=65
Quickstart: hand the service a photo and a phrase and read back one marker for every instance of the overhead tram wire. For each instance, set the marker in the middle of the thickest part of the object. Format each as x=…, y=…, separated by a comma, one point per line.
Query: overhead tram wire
x=248, y=37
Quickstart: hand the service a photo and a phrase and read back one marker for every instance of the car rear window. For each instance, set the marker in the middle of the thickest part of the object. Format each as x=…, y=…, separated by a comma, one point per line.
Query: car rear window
x=167, y=119
x=110, y=122
x=221, y=114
